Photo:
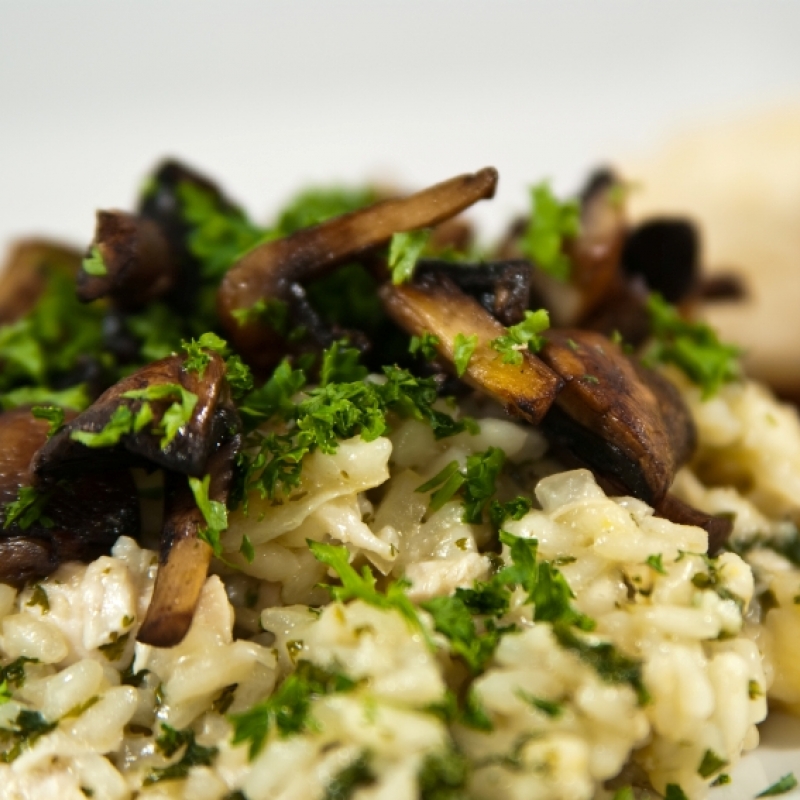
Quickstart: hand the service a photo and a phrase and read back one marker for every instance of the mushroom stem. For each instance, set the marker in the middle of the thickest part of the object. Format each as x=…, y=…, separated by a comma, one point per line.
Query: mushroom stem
x=184, y=557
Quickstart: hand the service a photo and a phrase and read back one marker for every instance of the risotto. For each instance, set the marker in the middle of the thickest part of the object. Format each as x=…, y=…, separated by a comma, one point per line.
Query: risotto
x=364, y=587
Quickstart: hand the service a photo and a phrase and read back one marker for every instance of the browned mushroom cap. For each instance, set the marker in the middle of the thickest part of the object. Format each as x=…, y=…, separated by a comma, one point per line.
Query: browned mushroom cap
x=436, y=305
x=140, y=265
x=184, y=558
x=86, y=515
x=186, y=453
x=606, y=416
x=26, y=272
x=502, y=287
x=268, y=271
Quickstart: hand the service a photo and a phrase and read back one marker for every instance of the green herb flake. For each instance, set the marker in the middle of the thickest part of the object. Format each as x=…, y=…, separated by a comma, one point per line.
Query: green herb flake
x=28, y=727
x=608, y=662
x=404, y=251
x=448, y=480
x=723, y=779
x=177, y=415
x=514, y=509
x=347, y=781
x=655, y=562
x=39, y=598
x=674, y=792
x=93, y=264
x=443, y=776
x=319, y=204
x=197, y=352
x=691, y=346
x=214, y=512
x=483, y=470
x=169, y=742
x=27, y=509
x=53, y=414
x=340, y=364
x=710, y=764
x=463, y=348
x=782, y=786
x=13, y=674
x=474, y=715
x=453, y=619
x=754, y=690
x=547, y=707
x=246, y=549
x=624, y=793
x=424, y=345
x=357, y=586
x=114, y=649
x=552, y=222
x=119, y=424
x=5, y=692
x=286, y=711
x=522, y=336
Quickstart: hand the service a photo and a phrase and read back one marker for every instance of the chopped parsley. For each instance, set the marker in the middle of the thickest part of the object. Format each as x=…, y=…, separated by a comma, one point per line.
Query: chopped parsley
x=169, y=742
x=341, y=364
x=327, y=414
x=710, y=764
x=609, y=663
x=27, y=509
x=53, y=414
x=28, y=727
x=404, y=251
x=674, y=792
x=214, y=512
x=362, y=587
x=286, y=710
x=237, y=373
x=273, y=312
x=691, y=346
x=219, y=234
x=39, y=598
x=13, y=674
x=524, y=335
x=655, y=562
x=356, y=774
x=93, y=264
x=443, y=776
x=425, y=345
x=785, y=784
x=120, y=424
x=551, y=223
x=624, y=793
x=477, y=481
x=514, y=509
x=452, y=617
x=316, y=205
x=463, y=348
x=5, y=692
x=547, y=707
x=76, y=397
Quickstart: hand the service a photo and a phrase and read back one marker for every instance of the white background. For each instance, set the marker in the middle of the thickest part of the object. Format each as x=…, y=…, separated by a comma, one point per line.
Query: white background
x=266, y=96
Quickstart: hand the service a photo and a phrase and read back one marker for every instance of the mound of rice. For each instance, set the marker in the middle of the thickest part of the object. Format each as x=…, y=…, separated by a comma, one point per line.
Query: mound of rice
x=667, y=687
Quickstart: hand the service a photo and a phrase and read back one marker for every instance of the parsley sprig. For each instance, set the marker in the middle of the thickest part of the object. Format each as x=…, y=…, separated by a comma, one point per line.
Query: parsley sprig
x=692, y=346
x=552, y=222
x=522, y=336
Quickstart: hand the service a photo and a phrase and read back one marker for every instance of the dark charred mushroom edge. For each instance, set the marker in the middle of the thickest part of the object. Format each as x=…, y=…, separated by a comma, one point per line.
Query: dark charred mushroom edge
x=116, y=360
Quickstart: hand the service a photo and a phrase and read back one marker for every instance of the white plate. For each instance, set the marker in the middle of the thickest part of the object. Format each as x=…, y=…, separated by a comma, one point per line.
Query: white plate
x=778, y=753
